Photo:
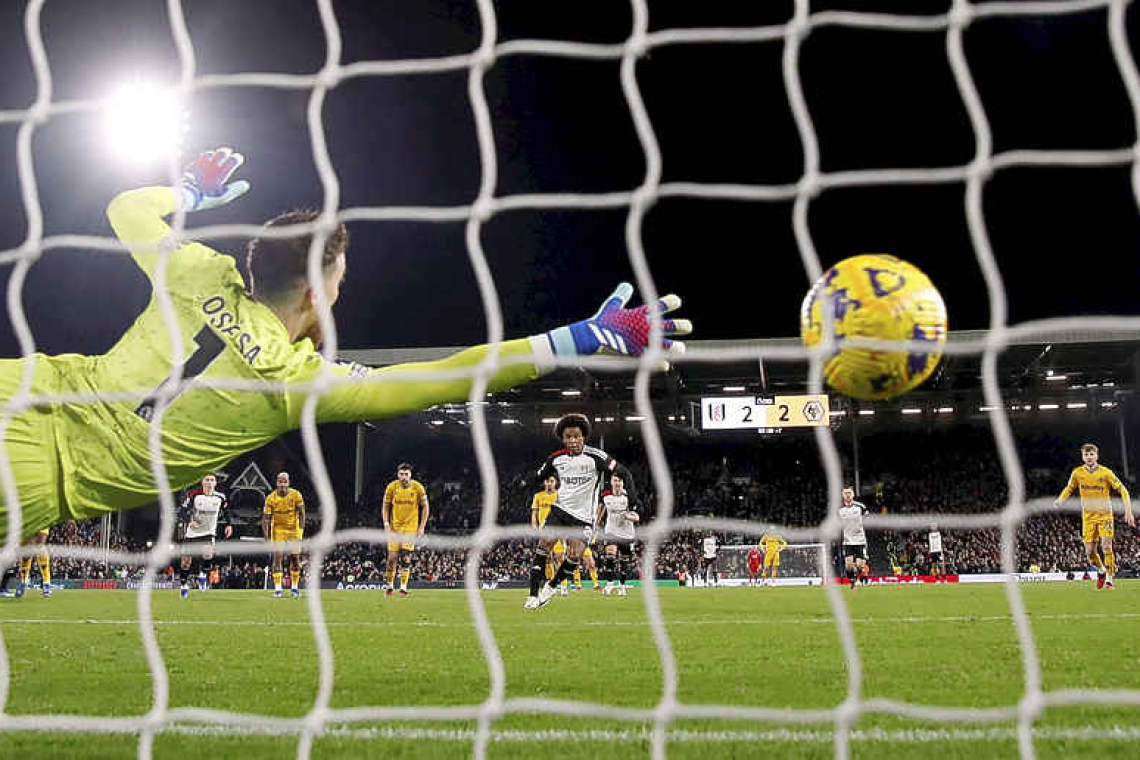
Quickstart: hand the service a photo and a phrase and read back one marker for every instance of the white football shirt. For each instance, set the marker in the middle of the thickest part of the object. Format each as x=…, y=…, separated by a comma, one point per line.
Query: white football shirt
x=709, y=547
x=935, y=542
x=204, y=511
x=617, y=525
x=852, y=518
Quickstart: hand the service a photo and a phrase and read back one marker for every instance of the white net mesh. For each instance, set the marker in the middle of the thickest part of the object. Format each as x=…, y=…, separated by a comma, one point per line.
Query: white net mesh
x=813, y=181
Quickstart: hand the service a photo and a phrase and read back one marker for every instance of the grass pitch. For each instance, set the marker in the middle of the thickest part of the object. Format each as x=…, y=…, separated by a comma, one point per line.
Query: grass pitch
x=80, y=653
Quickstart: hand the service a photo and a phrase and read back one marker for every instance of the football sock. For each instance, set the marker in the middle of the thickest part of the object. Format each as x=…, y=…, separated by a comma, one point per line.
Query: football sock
x=565, y=570
x=1094, y=557
x=295, y=579
x=577, y=575
x=540, y=565
x=404, y=578
x=390, y=576
x=201, y=581
x=277, y=580
x=25, y=569
x=594, y=574
x=621, y=569
x=1109, y=561
x=9, y=574
x=45, y=567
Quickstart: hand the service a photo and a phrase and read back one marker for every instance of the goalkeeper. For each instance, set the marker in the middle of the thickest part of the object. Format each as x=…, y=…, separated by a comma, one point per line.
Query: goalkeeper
x=77, y=460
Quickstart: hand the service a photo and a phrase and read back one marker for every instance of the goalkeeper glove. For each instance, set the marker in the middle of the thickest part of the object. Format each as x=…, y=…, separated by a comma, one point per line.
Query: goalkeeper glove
x=204, y=179
x=616, y=329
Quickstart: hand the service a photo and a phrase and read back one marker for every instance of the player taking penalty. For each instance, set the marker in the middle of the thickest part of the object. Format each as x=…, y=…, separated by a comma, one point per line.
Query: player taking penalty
x=581, y=470
x=405, y=511
x=1095, y=483
x=87, y=459
x=284, y=520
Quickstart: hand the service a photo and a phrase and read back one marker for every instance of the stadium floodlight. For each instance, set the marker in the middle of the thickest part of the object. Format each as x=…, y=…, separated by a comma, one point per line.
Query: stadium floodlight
x=571, y=393
x=1047, y=407
x=866, y=412
x=1051, y=376
x=145, y=121
x=733, y=388
x=1076, y=405
x=911, y=410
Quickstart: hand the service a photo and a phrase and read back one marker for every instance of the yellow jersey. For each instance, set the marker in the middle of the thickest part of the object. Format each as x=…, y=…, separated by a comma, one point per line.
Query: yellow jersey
x=542, y=502
x=405, y=504
x=773, y=544
x=1095, y=488
x=283, y=509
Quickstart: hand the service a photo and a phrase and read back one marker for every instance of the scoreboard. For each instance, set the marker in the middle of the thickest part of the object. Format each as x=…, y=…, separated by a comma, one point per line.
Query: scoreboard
x=764, y=412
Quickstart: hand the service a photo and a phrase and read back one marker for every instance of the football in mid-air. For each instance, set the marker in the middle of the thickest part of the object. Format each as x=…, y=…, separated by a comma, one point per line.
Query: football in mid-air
x=883, y=297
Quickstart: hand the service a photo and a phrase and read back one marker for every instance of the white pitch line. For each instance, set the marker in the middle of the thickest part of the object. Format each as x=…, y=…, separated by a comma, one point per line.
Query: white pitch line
x=820, y=620
x=896, y=736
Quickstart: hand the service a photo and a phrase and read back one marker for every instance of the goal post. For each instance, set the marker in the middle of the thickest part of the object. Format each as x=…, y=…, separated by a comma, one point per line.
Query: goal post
x=799, y=565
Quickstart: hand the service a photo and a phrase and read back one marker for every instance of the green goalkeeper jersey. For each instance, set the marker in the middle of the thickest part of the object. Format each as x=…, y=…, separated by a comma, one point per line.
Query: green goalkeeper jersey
x=101, y=446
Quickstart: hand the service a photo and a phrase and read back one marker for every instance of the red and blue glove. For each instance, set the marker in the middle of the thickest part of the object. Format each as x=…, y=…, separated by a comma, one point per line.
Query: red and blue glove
x=204, y=181
x=616, y=329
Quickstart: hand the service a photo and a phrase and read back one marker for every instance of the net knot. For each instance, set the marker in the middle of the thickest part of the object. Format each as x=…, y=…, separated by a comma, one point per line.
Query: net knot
x=980, y=168
x=484, y=57
x=482, y=209
x=38, y=113
x=809, y=186
x=329, y=77
x=960, y=15
x=635, y=46
x=799, y=27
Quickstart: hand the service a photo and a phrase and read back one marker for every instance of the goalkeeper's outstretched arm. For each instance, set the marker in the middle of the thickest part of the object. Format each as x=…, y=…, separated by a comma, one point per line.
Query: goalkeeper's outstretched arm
x=384, y=393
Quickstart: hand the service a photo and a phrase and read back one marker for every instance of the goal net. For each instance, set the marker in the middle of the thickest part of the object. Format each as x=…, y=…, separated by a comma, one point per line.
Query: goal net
x=799, y=565
x=475, y=214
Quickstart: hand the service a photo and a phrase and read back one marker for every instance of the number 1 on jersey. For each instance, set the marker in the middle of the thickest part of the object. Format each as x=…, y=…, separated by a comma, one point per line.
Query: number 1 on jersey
x=210, y=347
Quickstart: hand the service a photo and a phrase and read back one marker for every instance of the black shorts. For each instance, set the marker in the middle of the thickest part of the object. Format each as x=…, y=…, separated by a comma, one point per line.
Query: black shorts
x=207, y=557
x=564, y=525
x=624, y=545
x=707, y=561
x=855, y=551
x=936, y=558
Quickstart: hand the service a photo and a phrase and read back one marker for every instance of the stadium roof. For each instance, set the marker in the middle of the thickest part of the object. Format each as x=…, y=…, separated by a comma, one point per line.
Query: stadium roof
x=1071, y=360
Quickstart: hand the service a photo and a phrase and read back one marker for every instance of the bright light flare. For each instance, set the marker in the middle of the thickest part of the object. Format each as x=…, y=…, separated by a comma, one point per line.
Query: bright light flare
x=144, y=122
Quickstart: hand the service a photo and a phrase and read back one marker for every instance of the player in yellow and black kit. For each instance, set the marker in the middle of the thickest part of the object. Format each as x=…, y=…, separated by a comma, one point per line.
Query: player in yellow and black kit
x=540, y=508
x=1095, y=482
x=81, y=460
x=405, y=511
x=284, y=520
x=25, y=568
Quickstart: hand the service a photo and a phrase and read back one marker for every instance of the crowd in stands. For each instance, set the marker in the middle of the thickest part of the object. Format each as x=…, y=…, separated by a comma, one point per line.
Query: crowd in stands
x=777, y=481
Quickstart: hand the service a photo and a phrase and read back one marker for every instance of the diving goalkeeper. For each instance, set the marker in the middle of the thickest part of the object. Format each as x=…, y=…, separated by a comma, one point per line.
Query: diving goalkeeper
x=77, y=460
